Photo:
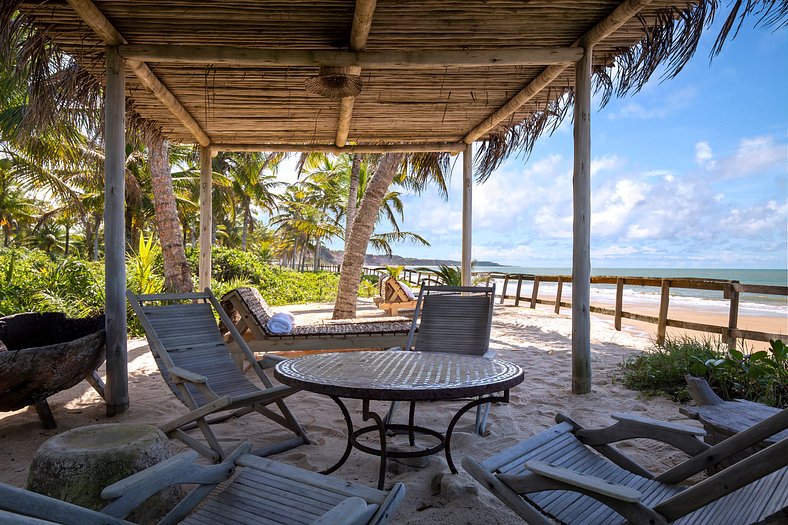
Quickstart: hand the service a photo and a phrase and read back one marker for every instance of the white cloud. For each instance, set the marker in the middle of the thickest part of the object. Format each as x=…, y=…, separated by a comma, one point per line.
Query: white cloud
x=607, y=163
x=505, y=255
x=756, y=220
x=616, y=205
x=754, y=156
x=662, y=106
x=703, y=155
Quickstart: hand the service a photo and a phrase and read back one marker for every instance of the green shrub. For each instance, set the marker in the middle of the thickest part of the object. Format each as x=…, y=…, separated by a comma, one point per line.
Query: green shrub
x=760, y=376
x=661, y=370
x=32, y=281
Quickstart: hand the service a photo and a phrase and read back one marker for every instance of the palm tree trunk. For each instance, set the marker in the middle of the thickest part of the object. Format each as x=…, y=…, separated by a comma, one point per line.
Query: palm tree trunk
x=245, y=228
x=68, y=239
x=350, y=215
x=96, y=238
x=177, y=277
x=361, y=231
x=316, y=261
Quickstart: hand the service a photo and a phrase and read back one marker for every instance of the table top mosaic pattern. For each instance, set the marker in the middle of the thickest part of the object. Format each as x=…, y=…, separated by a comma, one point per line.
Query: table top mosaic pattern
x=405, y=376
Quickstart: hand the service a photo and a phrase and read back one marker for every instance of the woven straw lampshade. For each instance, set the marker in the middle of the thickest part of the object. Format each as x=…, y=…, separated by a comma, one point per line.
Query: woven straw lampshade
x=334, y=82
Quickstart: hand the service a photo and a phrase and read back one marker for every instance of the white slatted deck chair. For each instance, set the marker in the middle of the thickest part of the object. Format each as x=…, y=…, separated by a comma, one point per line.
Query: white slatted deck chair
x=196, y=364
x=243, y=489
x=571, y=475
x=454, y=319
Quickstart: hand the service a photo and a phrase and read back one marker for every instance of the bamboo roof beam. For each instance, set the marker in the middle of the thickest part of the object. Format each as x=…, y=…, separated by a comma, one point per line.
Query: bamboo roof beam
x=448, y=147
x=94, y=18
x=362, y=22
x=392, y=59
x=623, y=13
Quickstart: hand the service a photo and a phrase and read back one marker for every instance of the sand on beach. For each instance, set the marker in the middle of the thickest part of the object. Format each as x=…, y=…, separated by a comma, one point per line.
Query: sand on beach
x=538, y=340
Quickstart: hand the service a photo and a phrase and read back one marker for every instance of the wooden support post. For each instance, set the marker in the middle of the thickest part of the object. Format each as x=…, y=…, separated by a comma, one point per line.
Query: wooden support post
x=117, y=388
x=206, y=217
x=619, y=301
x=559, y=290
x=519, y=287
x=581, y=230
x=733, y=316
x=535, y=292
x=664, y=302
x=503, y=290
x=467, y=208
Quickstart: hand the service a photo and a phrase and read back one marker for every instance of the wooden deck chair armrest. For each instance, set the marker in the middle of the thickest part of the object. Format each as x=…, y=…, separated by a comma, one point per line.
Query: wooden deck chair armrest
x=389, y=505
x=570, y=478
x=270, y=361
x=629, y=426
x=27, y=506
x=762, y=463
x=9, y=518
x=128, y=493
x=182, y=374
x=622, y=499
x=349, y=511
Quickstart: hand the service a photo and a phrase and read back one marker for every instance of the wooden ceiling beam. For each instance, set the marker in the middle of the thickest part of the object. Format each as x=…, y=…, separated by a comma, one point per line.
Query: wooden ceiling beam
x=620, y=15
x=94, y=18
x=447, y=147
x=359, y=32
x=394, y=59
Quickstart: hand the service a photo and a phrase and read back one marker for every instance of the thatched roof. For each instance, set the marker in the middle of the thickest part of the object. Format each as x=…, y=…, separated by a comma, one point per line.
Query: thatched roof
x=238, y=105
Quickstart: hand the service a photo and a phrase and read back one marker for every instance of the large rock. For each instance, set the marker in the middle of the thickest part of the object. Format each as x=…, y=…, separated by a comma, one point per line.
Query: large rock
x=76, y=465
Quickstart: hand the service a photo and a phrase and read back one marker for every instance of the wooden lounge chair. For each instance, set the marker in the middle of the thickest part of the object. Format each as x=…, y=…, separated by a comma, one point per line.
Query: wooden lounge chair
x=196, y=364
x=457, y=320
x=262, y=492
x=393, y=297
x=251, y=313
x=572, y=475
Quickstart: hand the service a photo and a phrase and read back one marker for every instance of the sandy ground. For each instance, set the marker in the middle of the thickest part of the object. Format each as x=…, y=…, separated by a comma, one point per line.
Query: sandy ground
x=537, y=340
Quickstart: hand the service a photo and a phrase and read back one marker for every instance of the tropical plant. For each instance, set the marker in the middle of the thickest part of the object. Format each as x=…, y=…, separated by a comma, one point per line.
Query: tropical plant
x=761, y=375
x=142, y=276
x=734, y=373
x=394, y=271
x=447, y=275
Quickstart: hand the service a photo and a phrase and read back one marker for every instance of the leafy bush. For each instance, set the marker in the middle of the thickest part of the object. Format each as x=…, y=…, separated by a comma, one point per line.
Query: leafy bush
x=32, y=281
x=760, y=376
x=661, y=370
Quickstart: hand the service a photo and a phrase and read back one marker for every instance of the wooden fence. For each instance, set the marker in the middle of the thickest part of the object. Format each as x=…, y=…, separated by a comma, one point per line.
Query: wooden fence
x=731, y=290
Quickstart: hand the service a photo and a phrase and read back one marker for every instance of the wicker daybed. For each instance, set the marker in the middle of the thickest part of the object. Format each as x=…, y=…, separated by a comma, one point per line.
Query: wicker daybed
x=251, y=313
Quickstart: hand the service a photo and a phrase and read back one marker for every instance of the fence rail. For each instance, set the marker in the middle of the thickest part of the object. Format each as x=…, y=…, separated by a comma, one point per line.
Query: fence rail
x=731, y=290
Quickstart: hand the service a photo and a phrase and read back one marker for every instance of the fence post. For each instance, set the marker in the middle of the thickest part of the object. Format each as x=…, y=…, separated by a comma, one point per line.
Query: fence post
x=558, y=291
x=503, y=290
x=619, y=301
x=733, y=316
x=535, y=291
x=519, y=287
x=663, y=311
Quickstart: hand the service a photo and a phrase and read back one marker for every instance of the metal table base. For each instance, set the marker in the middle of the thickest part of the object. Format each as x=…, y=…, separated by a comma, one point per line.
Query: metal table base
x=444, y=440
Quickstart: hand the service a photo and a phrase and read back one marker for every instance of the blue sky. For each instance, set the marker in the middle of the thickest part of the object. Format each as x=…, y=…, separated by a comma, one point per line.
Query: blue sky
x=690, y=172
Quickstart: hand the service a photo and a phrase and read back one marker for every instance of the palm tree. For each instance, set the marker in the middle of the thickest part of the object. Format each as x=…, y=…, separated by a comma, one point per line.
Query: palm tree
x=418, y=172
x=177, y=276
x=253, y=183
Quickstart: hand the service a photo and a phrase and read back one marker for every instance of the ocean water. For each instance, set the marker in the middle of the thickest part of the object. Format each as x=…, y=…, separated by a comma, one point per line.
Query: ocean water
x=752, y=304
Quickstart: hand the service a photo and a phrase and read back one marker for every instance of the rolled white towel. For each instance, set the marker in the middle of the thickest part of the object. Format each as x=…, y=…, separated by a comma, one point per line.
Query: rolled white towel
x=408, y=291
x=281, y=323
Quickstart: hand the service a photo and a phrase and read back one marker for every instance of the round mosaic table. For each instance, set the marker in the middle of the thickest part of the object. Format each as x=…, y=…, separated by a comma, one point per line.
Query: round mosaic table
x=400, y=376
